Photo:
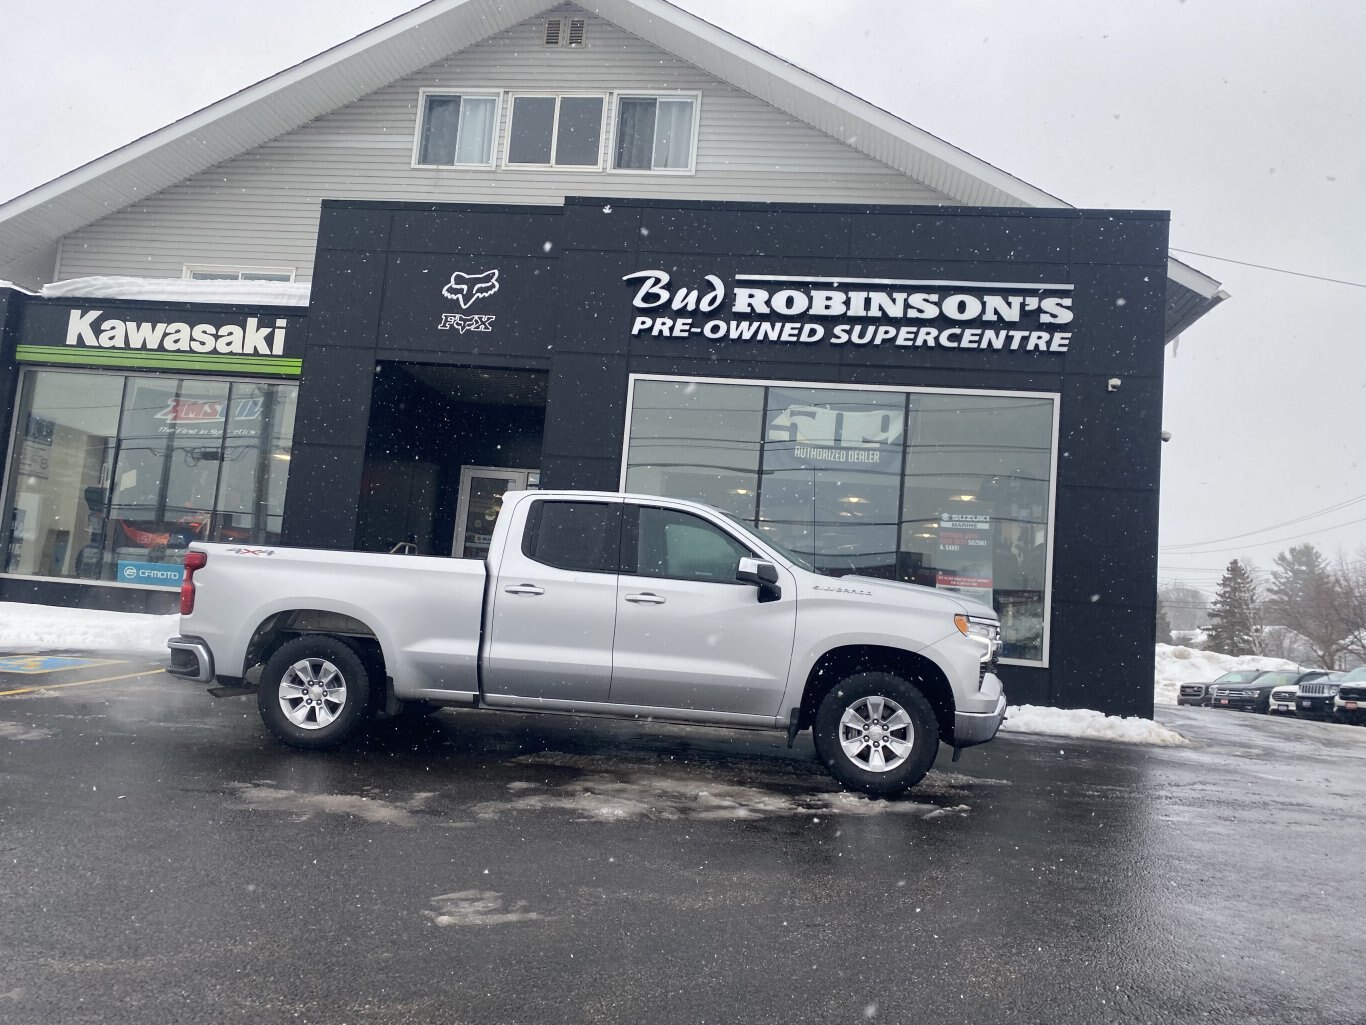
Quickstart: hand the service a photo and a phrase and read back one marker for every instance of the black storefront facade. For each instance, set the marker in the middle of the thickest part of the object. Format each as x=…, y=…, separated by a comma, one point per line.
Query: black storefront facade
x=965, y=398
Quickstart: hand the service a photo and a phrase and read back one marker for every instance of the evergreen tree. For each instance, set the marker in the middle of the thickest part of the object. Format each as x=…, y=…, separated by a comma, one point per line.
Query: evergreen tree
x=1307, y=597
x=1233, y=614
x=1164, y=624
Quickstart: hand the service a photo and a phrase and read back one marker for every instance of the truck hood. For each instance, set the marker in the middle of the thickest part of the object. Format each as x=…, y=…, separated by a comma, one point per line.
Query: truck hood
x=894, y=591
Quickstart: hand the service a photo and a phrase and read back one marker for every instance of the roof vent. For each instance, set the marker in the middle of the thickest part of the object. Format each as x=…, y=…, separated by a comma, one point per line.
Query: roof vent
x=578, y=27
x=554, y=32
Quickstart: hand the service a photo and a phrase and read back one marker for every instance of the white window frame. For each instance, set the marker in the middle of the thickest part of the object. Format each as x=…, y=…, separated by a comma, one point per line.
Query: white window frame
x=191, y=269
x=512, y=98
x=422, y=94
x=1053, y=397
x=643, y=94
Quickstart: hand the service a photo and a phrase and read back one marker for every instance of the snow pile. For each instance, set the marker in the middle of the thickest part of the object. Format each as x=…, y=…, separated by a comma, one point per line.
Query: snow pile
x=1177, y=665
x=263, y=293
x=1085, y=724
x=42, y=627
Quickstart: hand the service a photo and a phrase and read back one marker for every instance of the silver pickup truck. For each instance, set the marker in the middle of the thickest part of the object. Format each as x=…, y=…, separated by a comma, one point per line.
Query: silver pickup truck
x=591, y=603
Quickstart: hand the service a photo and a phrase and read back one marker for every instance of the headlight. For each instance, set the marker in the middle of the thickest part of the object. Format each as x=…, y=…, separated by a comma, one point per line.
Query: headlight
x=986, y=632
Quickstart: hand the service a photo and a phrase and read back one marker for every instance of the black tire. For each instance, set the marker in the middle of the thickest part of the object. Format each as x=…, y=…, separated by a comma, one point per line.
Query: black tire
x=324, y=684
x=905, y=743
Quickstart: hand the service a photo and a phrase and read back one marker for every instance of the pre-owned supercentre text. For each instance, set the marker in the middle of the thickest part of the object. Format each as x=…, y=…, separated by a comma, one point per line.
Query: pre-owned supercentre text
x=785, y=311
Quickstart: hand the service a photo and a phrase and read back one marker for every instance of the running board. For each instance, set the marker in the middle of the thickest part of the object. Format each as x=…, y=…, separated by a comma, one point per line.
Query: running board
x=231, y=692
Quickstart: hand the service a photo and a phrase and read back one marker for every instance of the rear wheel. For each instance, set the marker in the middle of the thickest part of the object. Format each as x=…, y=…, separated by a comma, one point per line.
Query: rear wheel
x=876, y=733
x=314, y=692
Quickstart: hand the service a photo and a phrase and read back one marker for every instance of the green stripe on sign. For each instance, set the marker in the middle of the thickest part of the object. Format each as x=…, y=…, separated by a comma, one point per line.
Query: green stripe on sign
x=166, y=360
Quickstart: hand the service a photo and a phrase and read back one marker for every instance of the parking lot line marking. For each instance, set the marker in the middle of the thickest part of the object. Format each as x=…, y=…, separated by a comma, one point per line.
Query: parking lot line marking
x=78, y=683
x=32, y=664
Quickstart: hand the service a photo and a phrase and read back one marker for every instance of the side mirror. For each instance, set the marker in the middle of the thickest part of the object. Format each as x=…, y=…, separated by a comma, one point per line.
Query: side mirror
x=762, y=574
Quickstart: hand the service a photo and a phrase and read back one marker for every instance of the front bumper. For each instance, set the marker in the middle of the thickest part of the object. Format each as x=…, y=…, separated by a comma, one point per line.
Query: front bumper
x=1314, y=707
x=978, y=727
x=191, y=659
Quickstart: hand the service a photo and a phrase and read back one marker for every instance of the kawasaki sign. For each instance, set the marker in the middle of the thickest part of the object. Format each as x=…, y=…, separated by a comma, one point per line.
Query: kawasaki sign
x=188, y=339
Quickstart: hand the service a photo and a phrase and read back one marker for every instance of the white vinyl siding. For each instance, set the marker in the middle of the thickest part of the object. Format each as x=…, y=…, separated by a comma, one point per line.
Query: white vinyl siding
x=261, y=208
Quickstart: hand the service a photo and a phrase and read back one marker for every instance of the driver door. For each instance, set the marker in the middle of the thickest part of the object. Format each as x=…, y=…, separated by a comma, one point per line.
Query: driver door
x=688, y=635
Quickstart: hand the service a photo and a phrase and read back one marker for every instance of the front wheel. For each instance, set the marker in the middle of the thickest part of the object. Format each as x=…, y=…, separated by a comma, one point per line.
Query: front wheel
x=314, y=692
x=876, y=733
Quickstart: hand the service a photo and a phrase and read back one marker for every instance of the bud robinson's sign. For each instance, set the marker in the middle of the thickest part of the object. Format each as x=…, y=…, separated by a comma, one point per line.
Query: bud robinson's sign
x=982, y=315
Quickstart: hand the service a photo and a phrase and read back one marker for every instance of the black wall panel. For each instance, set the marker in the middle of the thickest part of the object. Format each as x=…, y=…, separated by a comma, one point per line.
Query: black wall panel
x=321, y=503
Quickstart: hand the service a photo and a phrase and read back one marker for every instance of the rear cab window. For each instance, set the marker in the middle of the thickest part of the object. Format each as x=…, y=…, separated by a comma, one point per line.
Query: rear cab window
x=578, y=536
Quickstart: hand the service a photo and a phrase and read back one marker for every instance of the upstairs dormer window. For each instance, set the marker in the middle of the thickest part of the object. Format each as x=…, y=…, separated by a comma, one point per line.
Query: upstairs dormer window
x=556, y=131
x=457, y=129
x=655, y=133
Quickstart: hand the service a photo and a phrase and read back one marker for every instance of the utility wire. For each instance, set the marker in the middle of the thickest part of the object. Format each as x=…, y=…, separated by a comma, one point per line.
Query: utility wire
x=1277, y=541
x=1275, y=270
x=1175, y=549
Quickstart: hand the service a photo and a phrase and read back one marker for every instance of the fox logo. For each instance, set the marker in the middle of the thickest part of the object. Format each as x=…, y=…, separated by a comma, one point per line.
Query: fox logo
x=467, y=288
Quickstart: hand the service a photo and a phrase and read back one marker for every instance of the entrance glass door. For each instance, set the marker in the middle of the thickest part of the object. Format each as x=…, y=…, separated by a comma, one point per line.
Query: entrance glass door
x=481, y=496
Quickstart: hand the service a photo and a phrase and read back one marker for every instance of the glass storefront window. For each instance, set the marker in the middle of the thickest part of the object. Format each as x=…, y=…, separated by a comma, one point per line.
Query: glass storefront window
x=953, y=491
x=114, y=475
x=699, y=441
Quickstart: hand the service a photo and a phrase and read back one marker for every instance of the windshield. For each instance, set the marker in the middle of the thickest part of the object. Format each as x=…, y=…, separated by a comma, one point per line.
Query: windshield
x=1355, y=676
x=787, y=553
x=1276, y=679
x=1240, y=676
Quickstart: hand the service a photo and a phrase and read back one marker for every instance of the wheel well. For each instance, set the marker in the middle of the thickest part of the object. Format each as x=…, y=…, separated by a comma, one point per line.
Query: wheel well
x=838, y=663
x=283, y=627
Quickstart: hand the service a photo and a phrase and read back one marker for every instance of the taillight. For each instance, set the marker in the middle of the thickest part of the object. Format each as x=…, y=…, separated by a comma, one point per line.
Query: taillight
x=193, y=561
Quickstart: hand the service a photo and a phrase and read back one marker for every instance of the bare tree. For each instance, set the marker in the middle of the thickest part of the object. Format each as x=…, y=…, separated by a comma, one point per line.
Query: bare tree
x=1306, y=596
x=1351, y=576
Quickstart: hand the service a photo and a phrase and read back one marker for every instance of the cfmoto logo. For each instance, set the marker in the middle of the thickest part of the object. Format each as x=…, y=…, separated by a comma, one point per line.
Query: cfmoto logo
x=130, y=572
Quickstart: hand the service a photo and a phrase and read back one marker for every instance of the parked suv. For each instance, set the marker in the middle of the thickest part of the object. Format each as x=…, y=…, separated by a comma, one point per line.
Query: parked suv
x=1202, y=693
x=1315, y=700
x=1282, y=699
x=1256, y=695
x=1349, y=704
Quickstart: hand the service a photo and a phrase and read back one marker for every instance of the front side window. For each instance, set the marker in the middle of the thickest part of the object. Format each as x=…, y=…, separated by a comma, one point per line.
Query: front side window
x=679, y=546
x=655, y=133
x=556, y=131
x=457, y=130
x=582, y=537
x=952, y=491
x=114, y=475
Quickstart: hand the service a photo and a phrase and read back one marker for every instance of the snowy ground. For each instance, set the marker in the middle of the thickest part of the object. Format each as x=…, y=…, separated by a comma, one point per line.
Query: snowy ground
x=44, y=627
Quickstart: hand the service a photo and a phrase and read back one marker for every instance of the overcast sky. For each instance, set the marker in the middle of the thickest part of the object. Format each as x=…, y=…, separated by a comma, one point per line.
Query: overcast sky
x=1244, y=118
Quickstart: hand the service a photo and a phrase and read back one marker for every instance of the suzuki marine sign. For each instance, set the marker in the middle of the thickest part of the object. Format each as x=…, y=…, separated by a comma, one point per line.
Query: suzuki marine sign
x=862, y=312
x=184, y=339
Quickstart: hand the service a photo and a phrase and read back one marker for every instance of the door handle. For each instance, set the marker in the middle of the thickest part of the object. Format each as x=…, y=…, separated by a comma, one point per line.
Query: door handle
x=645, y=598
x=524, y=589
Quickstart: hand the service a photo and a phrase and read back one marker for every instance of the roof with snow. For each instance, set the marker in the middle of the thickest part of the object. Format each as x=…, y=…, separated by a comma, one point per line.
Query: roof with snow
x=435, y=30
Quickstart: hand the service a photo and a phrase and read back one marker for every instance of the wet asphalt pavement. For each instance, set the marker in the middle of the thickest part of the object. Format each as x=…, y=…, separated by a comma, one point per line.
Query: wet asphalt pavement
x=164, y=860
